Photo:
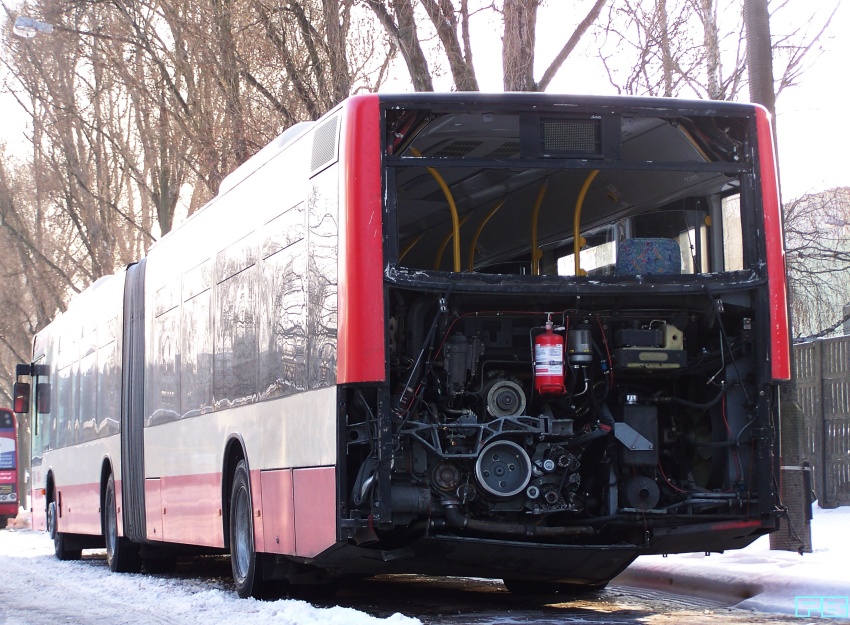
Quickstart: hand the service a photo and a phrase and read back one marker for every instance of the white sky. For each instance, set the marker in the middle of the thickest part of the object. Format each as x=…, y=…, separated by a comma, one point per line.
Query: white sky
x=813, y=134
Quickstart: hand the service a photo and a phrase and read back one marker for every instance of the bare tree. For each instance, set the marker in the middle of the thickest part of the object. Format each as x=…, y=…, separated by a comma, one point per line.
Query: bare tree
x=449, y=23
x=681, y=48
x=817, y=231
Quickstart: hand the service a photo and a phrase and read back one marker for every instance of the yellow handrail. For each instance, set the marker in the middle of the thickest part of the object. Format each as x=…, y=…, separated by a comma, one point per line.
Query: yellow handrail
x=535, y=251
x=478, y=232
x=439, y=259
x=409, y=247
x=578, y=240
x=452, y=207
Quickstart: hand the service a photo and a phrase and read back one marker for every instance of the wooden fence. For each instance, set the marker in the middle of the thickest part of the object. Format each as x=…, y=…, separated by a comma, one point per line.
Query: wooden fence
x=823, y=392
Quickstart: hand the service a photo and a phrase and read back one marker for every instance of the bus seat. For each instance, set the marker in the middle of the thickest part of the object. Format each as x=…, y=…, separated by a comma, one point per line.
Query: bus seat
x=648, y=256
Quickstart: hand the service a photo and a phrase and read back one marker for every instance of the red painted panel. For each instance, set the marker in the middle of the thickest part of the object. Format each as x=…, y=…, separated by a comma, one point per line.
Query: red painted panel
x=153, y=509
x=315, y=510
x=257, y=504
x=278, y=512
x=39, y=508
x=119, y=502
x=361, y=302
x=191, y=510
x=80, y=509
x=780, y=347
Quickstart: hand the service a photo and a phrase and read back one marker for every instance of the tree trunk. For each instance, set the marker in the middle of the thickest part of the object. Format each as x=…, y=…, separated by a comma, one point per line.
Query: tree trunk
x=404, y=32
x=759, y=54
x=712, y=50
x=666, y=54
x=518, y=45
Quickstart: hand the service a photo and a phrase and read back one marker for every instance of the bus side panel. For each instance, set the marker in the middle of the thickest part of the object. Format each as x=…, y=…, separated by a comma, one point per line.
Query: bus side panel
x=39, y=507
x=77, y=472
x=315, y=510
x=186, y=456
x=78, y=510
x=278, y=512
x=153, y=508
x=361, y=308
x=190, y=509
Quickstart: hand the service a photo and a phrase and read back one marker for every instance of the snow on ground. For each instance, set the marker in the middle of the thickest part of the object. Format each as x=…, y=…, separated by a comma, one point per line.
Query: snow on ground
x=37, y=589
x=815, y=584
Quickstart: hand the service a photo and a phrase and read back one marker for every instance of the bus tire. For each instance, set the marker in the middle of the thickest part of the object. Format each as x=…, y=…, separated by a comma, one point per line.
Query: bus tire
x=60, y=541
x=122, y=556
x=247, y=574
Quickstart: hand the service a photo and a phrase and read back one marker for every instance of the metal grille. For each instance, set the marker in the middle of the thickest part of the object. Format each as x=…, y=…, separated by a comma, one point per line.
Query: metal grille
x=457, y=149
x=571, y=137
x=324, y=145
x=509, y=149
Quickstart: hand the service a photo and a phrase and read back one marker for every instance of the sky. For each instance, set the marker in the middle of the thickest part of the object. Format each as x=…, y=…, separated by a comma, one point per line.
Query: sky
x=812, y=143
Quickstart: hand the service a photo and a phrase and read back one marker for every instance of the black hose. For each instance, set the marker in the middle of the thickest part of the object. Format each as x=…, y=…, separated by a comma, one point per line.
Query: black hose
x=456, y=519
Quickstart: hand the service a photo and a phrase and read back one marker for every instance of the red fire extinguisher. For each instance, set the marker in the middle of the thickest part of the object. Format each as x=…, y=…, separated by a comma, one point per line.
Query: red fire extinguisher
x=549, y=362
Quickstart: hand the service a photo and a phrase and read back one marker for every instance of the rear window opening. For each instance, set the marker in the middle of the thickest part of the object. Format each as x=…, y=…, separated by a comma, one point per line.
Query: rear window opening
x=525, y=193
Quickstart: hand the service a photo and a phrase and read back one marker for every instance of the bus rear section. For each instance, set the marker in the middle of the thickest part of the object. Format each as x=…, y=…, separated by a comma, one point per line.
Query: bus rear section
x=586, y=323
x=9, y=500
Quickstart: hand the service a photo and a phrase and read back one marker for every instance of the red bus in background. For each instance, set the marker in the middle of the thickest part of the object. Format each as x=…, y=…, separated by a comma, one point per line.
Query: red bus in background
x=517, y=336
x=8, y=467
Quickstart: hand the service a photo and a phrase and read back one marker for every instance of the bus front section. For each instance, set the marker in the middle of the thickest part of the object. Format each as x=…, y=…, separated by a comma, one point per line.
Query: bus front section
x=579, y=339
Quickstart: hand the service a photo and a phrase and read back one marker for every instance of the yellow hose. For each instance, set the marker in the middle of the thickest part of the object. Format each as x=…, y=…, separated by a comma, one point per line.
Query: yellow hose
x=535, y=251
x=478, y=232
x=578, y=240
x=452, y=207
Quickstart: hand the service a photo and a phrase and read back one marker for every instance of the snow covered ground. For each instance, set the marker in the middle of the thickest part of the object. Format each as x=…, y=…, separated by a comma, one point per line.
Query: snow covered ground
x=814, y=585
x=38, y=589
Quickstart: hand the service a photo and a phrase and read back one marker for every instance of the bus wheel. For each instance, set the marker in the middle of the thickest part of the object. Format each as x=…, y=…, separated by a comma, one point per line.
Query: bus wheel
x=243, y=559
x=60, y=541
x=122, y=556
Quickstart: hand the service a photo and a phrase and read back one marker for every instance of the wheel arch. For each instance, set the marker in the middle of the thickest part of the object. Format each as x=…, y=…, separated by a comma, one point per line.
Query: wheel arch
x=105, y=472
x=49, y=488
x=234, y=451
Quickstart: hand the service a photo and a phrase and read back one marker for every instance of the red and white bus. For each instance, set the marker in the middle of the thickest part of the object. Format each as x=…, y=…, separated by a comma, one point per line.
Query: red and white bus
x=8, y=467
x=517, y=336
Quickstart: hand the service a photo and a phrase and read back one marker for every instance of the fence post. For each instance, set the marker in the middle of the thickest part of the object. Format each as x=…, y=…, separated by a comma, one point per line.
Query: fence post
x=795, y=529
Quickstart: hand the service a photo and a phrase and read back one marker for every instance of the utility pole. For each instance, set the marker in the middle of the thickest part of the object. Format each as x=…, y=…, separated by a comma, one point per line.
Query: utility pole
x=795, y=530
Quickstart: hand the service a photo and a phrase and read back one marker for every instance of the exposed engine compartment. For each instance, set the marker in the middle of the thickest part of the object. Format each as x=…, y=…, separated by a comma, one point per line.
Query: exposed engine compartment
x=590, y=424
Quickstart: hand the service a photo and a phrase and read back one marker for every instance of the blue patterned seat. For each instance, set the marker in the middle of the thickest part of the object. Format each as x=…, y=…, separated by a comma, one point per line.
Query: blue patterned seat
x=648, y=257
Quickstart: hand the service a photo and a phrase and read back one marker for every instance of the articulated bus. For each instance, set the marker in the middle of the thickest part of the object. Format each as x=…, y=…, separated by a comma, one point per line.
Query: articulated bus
x=517, y=336
x=8, y=467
